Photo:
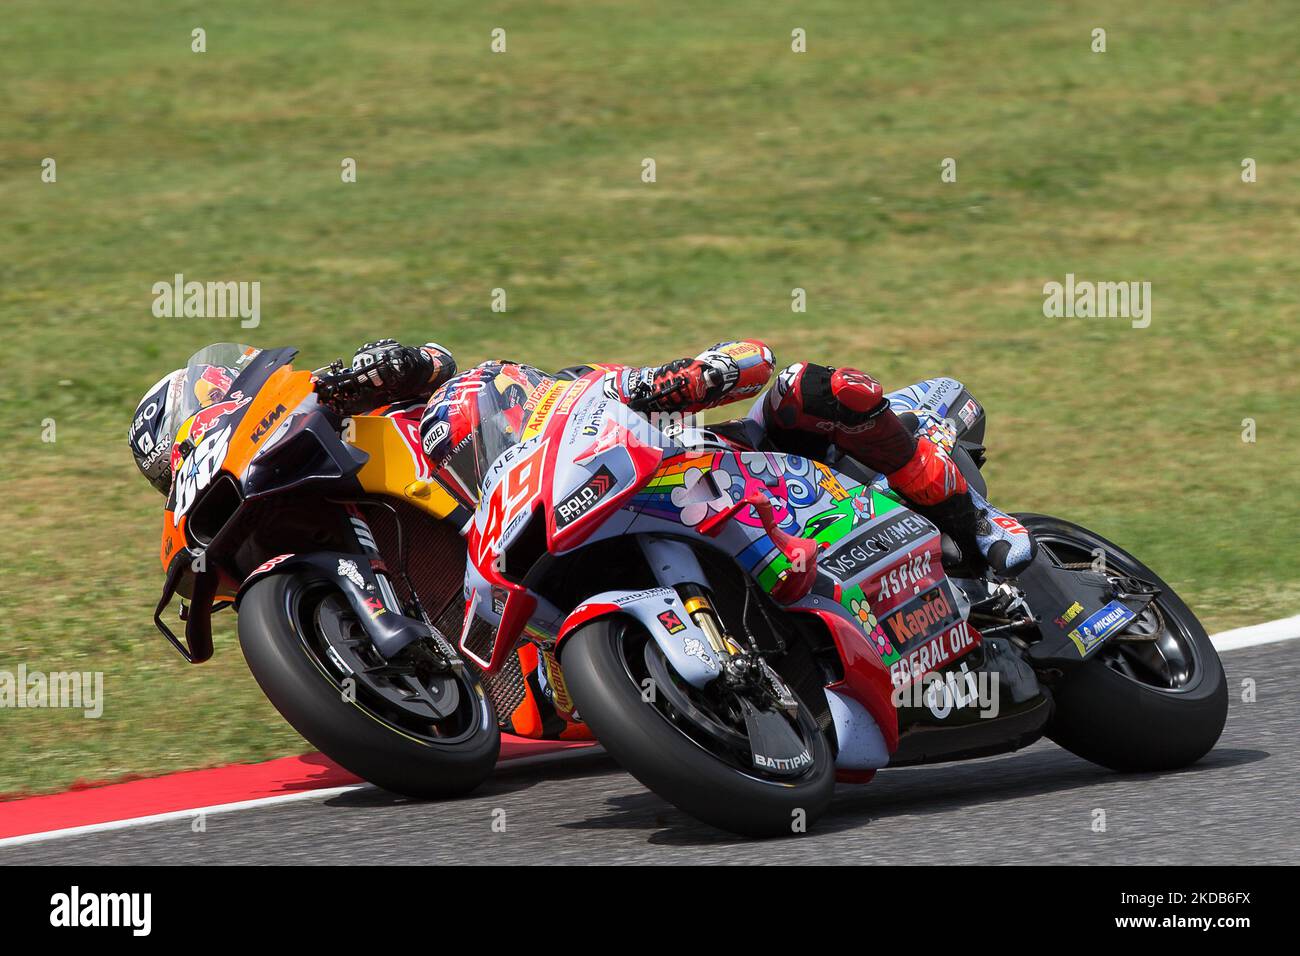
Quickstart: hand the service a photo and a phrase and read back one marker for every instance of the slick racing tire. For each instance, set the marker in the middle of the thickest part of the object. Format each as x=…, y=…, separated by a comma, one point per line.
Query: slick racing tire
x=282, y=619
x=661, y=745
x=1154, y=697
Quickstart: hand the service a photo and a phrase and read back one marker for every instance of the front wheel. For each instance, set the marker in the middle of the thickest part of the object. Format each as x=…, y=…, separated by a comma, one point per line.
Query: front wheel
x=1153, y=697
x=373, y=720
x=693, y=747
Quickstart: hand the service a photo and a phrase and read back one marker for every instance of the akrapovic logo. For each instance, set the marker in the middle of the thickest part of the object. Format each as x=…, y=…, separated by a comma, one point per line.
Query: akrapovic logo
x=585, y=498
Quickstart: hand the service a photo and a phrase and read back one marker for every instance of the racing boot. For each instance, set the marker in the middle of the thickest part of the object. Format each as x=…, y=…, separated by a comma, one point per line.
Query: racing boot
x=976, y=526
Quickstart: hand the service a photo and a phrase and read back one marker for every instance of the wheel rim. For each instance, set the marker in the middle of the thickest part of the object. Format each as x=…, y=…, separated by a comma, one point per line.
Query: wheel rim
x=310, y=609
x=708, y=721
x=1156, y=649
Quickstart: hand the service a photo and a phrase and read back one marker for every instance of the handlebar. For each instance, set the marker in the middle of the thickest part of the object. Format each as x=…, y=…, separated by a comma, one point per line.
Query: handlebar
x=336, y=382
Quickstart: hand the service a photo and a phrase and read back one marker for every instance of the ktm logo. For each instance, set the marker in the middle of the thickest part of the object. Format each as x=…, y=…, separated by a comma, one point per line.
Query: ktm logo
x=265, y=424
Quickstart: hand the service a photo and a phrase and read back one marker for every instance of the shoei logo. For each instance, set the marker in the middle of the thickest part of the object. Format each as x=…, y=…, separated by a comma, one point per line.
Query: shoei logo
x=77, y=909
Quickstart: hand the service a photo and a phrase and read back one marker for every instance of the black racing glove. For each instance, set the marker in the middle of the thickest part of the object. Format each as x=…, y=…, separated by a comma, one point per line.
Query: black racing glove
x=385, y=372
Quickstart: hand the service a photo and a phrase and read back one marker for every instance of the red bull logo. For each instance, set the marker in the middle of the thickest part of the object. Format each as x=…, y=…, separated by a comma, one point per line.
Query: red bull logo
x=213, y=385
x=201, y=423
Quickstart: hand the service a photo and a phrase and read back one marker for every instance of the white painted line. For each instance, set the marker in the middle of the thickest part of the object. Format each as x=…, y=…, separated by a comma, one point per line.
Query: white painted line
x=321, y=794
x=1270, y=632
x=530, y=760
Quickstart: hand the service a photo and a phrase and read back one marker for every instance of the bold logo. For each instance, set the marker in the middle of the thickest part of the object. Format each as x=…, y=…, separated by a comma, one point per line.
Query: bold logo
x=585, y=498
x=914, y=621
x=671, y=622
x=265, y=424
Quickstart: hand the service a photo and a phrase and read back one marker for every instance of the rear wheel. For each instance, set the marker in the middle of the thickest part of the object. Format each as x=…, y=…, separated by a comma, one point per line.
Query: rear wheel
x=1154, y=697
x=415, y=733
x=694, y=747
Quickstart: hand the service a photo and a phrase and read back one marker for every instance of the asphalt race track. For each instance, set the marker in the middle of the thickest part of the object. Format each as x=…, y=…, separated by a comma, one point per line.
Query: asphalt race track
x=1237, y=806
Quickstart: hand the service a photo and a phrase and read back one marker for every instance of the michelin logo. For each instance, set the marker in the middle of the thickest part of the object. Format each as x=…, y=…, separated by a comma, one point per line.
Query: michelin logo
x=1100, y=626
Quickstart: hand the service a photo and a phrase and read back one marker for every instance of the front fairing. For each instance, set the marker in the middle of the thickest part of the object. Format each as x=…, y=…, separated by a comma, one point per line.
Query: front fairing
x=580, y=458
x=599, y=470
x=268, y=436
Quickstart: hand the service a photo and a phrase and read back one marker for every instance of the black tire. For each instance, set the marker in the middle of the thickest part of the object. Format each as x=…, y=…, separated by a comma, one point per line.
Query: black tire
x=275, y=633
x=663, y=758
x=1105, y=712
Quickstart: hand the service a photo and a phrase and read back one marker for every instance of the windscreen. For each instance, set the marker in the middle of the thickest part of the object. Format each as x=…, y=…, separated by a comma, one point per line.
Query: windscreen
x=209, y=375
x=492, y=411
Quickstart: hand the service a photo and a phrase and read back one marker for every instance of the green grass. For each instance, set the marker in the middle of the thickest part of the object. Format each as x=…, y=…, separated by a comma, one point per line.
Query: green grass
x=522, y=171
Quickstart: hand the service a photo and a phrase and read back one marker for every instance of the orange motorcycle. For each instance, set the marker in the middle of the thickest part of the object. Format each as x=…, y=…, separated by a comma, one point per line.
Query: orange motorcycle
x=341, y=552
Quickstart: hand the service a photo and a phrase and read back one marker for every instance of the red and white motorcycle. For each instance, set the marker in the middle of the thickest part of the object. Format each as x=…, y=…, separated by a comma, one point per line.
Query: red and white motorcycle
x=740, y=627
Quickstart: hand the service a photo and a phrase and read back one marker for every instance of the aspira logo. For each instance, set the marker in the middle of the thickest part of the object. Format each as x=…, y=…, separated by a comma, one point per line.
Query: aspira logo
x=76, y=909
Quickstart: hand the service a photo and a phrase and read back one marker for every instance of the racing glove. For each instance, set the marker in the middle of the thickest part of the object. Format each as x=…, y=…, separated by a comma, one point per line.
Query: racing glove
x=385, y=372
x=678, y=386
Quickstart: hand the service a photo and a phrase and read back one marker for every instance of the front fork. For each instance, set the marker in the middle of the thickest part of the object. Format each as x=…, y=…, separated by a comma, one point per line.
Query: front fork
x=365, y=539
x=675, y=566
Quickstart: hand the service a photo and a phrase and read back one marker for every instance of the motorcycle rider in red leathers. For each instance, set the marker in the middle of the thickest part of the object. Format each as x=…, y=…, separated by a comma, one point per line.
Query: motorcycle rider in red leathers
x=810, y=408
